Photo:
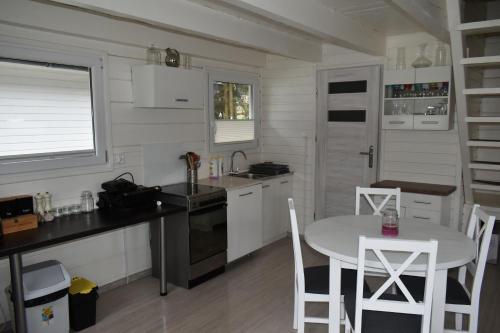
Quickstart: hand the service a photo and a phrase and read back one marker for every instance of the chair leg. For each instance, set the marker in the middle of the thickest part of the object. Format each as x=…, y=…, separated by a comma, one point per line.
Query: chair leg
x=347, y=325
x=295, y=305
x=473, y=322
x=458, y=321
x=301, y=308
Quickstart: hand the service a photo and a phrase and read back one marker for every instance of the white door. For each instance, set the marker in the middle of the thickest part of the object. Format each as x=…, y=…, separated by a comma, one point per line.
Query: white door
x=347, y=137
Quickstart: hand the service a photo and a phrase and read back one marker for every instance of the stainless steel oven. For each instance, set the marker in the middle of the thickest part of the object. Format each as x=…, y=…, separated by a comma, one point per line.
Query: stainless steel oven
x=196, y=238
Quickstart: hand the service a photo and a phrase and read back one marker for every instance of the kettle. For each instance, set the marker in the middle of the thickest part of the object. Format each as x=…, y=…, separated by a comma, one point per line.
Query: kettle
x=172, y=58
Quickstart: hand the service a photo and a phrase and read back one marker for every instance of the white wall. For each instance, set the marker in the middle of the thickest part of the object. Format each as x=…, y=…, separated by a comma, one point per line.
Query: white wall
x=105, y=258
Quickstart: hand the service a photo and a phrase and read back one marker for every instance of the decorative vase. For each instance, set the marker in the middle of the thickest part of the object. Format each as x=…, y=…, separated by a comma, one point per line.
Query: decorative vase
x=422, y=60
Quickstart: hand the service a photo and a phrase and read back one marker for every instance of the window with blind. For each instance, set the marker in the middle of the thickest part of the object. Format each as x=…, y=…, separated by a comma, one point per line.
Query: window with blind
x=234, y=111
x=50, y=113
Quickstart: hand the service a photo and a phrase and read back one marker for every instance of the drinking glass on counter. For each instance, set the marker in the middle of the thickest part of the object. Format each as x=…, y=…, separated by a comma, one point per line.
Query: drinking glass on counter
x=390, y=223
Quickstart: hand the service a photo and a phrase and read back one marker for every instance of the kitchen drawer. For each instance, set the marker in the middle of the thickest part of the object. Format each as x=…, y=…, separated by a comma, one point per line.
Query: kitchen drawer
x=423, y=215
x=423, y=122
x=421, y=201
x=397, y=122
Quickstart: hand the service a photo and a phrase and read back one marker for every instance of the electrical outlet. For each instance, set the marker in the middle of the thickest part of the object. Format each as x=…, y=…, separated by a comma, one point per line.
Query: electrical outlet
x=119, y=158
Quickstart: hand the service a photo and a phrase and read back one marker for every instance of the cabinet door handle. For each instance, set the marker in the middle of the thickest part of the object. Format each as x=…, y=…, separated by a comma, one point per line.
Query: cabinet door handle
x=421, y=217
x=265, y=186
x=245, y=194
x=429, y=122
x=396, y=122
x=284, y=182
x=185, y=100
x=422, y=202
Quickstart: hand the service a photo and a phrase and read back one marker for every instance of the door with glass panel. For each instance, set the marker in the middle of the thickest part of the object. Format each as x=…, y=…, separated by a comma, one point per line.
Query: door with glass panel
x=347, y=137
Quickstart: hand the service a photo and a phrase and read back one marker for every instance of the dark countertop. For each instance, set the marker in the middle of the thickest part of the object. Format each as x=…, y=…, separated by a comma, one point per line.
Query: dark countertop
x=422, y=188
x=72, y=227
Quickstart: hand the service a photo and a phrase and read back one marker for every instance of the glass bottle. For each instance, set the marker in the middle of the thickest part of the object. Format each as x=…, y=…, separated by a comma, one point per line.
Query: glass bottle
x=421, y=60
x=440, y=59
x=153, y=55
x=401, y=59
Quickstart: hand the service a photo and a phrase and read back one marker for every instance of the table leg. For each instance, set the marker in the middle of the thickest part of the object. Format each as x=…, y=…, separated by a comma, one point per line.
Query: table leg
x=163, y=257
x=438, y=301
x=16, y=281
x=334, y=303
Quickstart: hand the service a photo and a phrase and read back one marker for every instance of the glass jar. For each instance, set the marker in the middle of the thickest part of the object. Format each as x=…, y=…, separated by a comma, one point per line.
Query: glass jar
x=390, y=223
x=153, y=55
x=86, y=202
x=440, y=59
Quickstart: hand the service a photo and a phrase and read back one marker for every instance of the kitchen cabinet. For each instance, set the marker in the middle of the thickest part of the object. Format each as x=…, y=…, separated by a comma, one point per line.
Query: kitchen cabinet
x=156, y=86
x=275, y=211
x=423, y=207
x=244, y=221
x=417, y=99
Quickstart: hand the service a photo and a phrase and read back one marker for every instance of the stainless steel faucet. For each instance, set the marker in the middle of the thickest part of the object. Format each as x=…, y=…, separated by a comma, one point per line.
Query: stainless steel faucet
x=231, y=169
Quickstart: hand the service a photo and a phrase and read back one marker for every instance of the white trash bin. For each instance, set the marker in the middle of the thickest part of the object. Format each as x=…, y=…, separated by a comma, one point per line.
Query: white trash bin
x=46, y=287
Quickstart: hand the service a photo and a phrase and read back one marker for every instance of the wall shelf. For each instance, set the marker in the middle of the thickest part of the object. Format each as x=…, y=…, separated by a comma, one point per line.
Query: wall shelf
x=431, y=113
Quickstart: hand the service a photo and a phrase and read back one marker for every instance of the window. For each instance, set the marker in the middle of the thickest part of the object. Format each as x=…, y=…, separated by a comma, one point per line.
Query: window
x=51, y=110
x=233, y=110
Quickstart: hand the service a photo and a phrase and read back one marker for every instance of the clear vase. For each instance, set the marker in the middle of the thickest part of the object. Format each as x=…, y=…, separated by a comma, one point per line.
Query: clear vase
x=440, y=55
x=401, y=59
x=422, y=60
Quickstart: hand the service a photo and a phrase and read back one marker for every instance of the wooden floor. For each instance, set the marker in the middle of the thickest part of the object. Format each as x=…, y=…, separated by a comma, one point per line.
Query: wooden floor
x=254, y=295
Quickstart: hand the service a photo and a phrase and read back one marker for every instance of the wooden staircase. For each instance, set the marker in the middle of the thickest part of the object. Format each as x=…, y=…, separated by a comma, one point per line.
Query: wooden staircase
x=469, y=96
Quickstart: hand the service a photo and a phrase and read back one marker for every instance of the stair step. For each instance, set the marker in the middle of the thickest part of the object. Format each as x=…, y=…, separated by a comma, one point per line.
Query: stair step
x=486, y=185
x=483, y=143
x=479, y=27
x=482, y=91
x=481, y=61
x=484, y=165
x=487, y=200
x=482, y=119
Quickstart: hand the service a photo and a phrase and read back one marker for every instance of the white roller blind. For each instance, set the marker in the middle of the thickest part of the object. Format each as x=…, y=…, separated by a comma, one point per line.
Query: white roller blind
x=45, y=110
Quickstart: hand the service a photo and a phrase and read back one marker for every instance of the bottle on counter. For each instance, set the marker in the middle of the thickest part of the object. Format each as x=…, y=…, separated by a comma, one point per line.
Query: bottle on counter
x=213, y=168
x=220, y=166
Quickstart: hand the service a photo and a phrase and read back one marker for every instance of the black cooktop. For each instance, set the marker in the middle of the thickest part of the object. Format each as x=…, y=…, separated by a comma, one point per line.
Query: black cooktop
x=190, y=190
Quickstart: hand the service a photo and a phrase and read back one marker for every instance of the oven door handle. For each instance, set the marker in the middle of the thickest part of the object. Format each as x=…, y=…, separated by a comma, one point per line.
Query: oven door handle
x=215, y=204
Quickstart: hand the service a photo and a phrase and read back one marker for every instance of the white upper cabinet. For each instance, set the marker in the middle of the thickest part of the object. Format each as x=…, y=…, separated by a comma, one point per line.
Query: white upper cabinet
x=156, y=86
x=417, y=99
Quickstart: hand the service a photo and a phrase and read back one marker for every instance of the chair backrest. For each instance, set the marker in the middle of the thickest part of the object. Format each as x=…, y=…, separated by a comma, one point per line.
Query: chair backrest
x=410, y=306
x=297, y=252
x=388, y=192
x=479, y=230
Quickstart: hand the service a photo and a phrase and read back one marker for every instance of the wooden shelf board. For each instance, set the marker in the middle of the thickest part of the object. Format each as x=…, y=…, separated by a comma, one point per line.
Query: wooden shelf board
x=481, y=61
x=482, y=119
x=479, y=27
x=483, y=165
x=482, y=91
x=483, y=143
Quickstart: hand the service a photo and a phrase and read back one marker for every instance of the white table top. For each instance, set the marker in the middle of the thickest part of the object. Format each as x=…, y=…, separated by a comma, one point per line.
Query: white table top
x=337, y=237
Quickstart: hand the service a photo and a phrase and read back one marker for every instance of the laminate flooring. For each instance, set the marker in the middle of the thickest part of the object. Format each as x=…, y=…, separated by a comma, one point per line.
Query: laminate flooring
x=254, y=295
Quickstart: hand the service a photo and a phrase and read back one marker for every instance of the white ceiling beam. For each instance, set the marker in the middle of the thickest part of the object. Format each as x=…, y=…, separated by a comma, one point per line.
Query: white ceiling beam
x=317, y=19
x=425, y=14
x=188, y=17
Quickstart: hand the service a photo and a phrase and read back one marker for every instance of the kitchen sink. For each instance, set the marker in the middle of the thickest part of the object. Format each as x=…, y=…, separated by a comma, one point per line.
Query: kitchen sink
x=248, y=175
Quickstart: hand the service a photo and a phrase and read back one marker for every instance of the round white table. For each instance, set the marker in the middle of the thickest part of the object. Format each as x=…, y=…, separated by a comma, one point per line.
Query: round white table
x=337, y=237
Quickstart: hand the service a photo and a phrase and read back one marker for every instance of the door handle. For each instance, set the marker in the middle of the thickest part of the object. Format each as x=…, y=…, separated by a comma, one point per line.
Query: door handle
x=369, y=153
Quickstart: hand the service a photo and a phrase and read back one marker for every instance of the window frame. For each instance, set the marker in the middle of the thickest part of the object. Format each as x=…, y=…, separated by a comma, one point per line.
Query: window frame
x=95, y=62
x=252, y=79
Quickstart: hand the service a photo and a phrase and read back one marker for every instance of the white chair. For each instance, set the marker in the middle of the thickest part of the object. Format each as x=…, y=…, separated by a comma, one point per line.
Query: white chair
x=383, y=313
x=312, y=283
x=388, y=192
x=459, y=299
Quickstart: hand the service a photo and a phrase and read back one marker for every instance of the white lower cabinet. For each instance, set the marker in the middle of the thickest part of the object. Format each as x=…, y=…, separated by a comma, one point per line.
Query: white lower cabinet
x=275, y=212
x=257, y=215
x=423, y=207
x=244, y=221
